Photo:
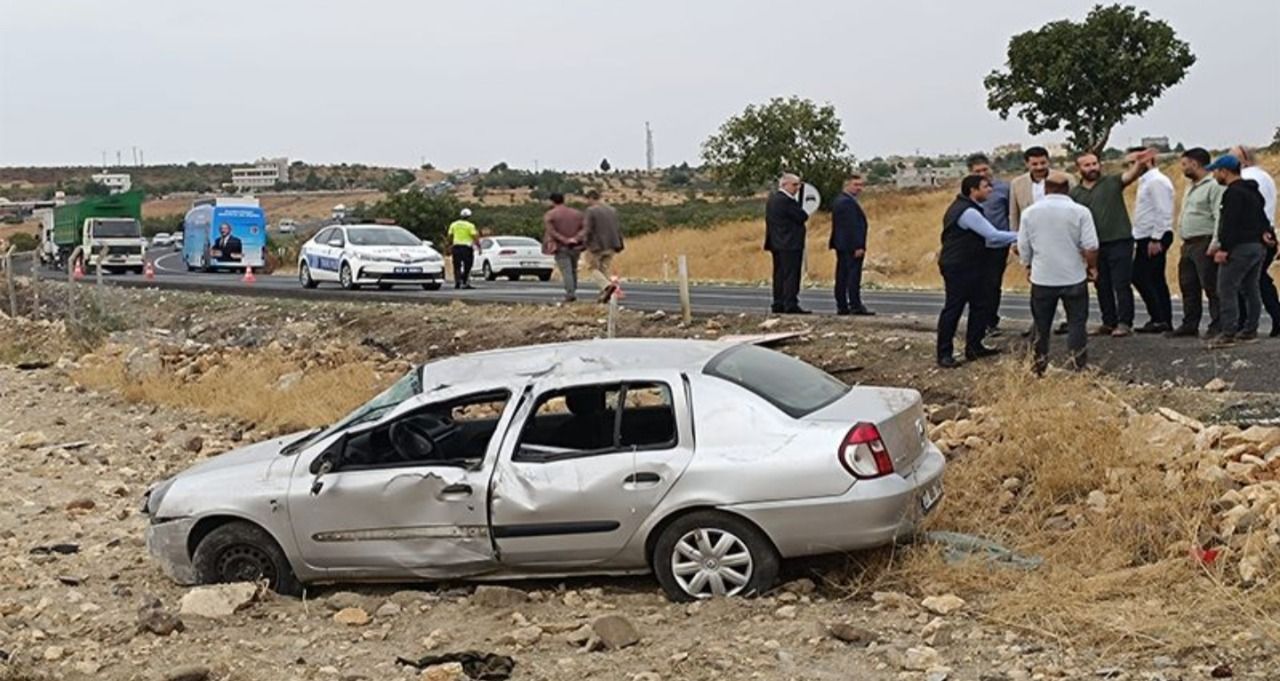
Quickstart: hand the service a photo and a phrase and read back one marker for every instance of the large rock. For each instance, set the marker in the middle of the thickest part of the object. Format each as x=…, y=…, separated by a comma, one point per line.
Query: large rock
x=490, y=596
x=449, y=671
x=920, y=659
x=352, y=617
x=848, y=633
x=140, y=364
x=216, y=601
x=943, y=605
x=615, y=632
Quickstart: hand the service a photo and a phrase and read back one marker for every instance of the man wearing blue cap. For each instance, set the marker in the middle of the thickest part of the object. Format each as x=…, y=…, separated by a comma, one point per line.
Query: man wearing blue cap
x=1244, y=234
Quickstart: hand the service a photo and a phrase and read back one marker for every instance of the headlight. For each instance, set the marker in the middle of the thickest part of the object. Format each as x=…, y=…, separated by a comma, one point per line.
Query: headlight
x=155, y=495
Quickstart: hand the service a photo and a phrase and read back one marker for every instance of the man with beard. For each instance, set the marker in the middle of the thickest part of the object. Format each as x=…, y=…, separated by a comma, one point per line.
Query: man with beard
x=996, y=210
x=1153, y=235
x=1103, y=195
x=1028, y=188
x=1197, y=224
x=1244, y=235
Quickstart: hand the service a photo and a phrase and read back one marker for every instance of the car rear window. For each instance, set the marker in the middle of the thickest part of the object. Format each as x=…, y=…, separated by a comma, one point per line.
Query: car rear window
x=789, y=384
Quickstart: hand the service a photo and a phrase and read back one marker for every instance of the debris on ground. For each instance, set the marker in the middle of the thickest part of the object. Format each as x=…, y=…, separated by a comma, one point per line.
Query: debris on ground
x=476, y=665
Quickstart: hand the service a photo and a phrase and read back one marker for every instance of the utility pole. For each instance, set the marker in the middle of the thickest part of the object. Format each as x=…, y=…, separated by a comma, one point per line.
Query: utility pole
x=117, y=158
x=135, y=157
x=141, y=160
x=648, y=146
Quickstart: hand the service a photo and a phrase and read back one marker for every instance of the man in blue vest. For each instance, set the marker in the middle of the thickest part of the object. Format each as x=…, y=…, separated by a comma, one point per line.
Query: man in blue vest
x=849, y=241
x=966, y=237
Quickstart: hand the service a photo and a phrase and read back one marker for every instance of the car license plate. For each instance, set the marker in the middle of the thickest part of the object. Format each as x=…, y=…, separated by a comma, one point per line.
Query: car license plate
x=930, y=496
x=528, y=263
x=408, y=270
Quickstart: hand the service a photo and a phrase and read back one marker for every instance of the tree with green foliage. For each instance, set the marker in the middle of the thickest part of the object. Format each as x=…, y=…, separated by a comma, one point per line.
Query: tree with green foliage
x=1275, y=140
x=396, y=180
x=426, y=216
x=92, y=188
x=754, y=148
x=1088, y=77
x=604, y=165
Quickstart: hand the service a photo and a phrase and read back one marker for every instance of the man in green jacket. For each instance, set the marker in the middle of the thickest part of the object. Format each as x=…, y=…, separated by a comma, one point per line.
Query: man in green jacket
x=1197, y=224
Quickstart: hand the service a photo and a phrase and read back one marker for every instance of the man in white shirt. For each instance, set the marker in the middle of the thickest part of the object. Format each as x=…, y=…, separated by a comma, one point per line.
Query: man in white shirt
x=1058, y=244
x=1152, y=236
x=1267, y=187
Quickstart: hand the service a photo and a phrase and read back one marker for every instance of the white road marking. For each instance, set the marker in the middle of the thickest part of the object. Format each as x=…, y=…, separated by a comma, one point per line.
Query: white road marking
x=159, y=262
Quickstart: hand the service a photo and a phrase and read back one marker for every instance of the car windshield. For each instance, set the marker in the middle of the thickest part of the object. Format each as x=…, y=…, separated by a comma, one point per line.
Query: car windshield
x=403, y=389
x=517, y=241
x=789, y=384
x=382, y=236
x=116, y=229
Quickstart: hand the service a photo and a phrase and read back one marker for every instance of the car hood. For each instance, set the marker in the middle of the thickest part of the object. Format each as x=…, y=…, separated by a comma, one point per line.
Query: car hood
x=396, y=251
x=261, y=454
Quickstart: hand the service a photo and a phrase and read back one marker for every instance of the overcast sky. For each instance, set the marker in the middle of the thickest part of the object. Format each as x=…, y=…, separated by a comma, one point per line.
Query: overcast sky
x=562, y=83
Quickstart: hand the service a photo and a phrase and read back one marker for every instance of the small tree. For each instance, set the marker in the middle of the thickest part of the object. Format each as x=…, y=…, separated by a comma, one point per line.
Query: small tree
x=1088, y=77
x=784, y=135
x=604, y=165
x=1275, y=141
x=425, y=216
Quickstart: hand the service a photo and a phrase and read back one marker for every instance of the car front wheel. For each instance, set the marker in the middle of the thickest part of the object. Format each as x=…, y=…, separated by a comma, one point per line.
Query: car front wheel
x=346, y=278
x=243, y=552
x=707, y=554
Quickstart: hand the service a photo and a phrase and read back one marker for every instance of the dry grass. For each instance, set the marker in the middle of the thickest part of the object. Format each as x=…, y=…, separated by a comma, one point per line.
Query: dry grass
x=243, y=387
x=1121, y=578
x=308, y=206
x=902, y=245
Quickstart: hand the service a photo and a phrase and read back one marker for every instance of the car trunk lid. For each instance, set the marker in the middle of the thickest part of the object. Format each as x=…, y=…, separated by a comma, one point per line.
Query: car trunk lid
x=897, y=413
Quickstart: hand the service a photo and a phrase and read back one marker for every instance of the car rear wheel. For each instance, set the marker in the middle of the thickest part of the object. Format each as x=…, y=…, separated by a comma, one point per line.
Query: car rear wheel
x=487, y=270
x=544, y=276
x=304, y=276
x=346, y=278
x=243, y=552
x=706, y=554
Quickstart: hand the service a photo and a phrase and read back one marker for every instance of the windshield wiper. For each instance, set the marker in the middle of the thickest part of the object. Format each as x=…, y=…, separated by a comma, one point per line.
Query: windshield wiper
x=301, y=440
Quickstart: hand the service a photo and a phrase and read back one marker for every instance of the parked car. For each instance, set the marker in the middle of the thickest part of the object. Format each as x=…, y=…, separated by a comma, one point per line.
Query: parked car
x=703, y=462
x=287, y=226
x=161, y=239
x=176, y=241
x=383, y=255
x=513, y=257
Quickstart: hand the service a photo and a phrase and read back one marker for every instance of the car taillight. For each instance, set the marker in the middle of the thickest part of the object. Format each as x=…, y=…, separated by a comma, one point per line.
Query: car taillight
x=507, y=251
x=863, y=453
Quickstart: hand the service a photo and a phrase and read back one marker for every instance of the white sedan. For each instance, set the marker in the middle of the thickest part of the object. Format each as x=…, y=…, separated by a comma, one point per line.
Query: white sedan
x=513, y=256
x=161, y=239
x=382, y=255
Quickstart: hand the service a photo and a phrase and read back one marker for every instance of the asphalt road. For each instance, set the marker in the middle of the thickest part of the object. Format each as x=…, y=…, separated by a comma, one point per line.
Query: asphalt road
x=170, y=273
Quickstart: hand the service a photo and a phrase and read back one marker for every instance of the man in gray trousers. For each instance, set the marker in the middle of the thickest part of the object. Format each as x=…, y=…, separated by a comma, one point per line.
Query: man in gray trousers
x=1244, y=234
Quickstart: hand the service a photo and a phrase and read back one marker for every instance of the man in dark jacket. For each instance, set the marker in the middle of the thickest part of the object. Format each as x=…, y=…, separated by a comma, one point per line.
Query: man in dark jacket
x=1244, y=234
x=849, y=241
x=784, y=221
x=966, y=236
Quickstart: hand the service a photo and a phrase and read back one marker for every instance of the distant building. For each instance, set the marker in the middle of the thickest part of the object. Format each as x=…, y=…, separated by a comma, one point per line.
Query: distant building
x=1011, y=149
x=265, y=172
x=912, y=177
x=1161, y=143
x=1058, y=150
x=116, y=182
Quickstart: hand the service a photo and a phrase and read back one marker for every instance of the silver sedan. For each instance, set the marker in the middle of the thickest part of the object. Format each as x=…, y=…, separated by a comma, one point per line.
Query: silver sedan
x=704, y=463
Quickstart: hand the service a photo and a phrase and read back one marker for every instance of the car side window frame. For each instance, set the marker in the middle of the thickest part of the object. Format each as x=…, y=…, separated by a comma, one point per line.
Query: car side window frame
x=519, y=455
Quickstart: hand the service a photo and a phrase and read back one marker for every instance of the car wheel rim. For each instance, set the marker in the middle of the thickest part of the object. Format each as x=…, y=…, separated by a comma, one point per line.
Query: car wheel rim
x=710, y=562
x=245, y=563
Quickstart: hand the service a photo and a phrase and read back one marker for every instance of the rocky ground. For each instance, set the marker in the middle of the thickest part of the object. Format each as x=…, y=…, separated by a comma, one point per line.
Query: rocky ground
x=80, y=599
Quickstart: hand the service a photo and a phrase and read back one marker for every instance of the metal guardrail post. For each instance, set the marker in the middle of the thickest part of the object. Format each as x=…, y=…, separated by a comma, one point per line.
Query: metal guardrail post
x=72, y=263
x=8, y=280
x=35, y=286
x=686, y=305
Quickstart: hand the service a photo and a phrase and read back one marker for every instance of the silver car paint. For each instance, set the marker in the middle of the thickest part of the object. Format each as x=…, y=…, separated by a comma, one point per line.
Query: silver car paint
x=744, y=448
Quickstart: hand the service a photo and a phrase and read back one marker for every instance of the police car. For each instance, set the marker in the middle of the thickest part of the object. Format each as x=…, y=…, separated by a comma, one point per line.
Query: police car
x=375, y=254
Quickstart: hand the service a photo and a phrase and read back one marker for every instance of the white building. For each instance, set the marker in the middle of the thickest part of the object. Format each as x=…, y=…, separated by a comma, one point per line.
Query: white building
x=116, y=182
x=265, y=172
x=1010, y=149
x=1161, y=143
x=912, y=177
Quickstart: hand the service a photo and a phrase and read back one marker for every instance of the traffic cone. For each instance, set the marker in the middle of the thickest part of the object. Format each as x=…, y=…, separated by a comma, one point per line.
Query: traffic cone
x=78, y=272
x=248, y=277
x=149, y=271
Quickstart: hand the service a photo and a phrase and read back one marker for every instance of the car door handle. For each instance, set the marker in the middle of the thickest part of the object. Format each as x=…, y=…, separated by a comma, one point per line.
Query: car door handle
x=456, y=490
x=642, y=479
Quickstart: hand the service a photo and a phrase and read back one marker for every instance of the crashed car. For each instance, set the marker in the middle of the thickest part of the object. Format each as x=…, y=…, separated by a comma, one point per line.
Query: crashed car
x=705, y=463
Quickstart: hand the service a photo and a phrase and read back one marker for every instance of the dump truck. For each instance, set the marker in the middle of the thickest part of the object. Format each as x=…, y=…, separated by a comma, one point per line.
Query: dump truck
x=102, y=223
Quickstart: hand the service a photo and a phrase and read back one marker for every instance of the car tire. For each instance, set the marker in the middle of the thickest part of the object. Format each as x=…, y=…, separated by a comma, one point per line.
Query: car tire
x=435, y=286
x=347, y=278
x=243, y=552
x=755, y=560
x=304, y=275
x=487, y=270
x=544, y=276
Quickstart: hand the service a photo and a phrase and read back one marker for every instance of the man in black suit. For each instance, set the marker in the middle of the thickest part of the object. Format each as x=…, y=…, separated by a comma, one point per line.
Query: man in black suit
x=227, y=248
x=784, y=234
x=849, y=241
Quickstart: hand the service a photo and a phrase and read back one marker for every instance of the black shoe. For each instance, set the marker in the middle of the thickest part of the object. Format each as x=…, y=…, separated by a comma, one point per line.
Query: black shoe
x=776, y=309
x=797, y=310
x=1222, y=340
x=864, y=312
x=1061, y=330
x=947, y=363
x=1183, y=332
x=457, y=285
x=1153, y=327
x=1247, y=336
x=1275, y=331
x=468, y=287
x=1028, y=333
x=843, y=313
x=980, y=352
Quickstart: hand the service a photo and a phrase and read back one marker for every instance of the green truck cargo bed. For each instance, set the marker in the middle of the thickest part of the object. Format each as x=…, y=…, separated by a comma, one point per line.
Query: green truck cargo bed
x=68, y=220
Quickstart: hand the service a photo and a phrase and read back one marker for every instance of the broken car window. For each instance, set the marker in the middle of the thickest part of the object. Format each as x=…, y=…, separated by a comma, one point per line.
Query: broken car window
x=453, y=433
x=585, y=420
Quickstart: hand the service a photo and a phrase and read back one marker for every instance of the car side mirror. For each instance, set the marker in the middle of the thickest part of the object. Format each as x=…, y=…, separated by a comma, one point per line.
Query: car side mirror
x=335, y=243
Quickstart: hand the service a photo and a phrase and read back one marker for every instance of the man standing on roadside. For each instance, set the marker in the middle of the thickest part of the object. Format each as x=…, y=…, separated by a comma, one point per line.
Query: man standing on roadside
x=462, y=237
x=563, y=235
x=1197, y=224
x=1152, y=235
x=1267, y=187
x=784, y=221
x=1028, y=188
x=604, y=241
x=1103, y=195
x=966, y=236
x=1058, y=245
x=849, y=241
x=996, y=210
x=1244, y=235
